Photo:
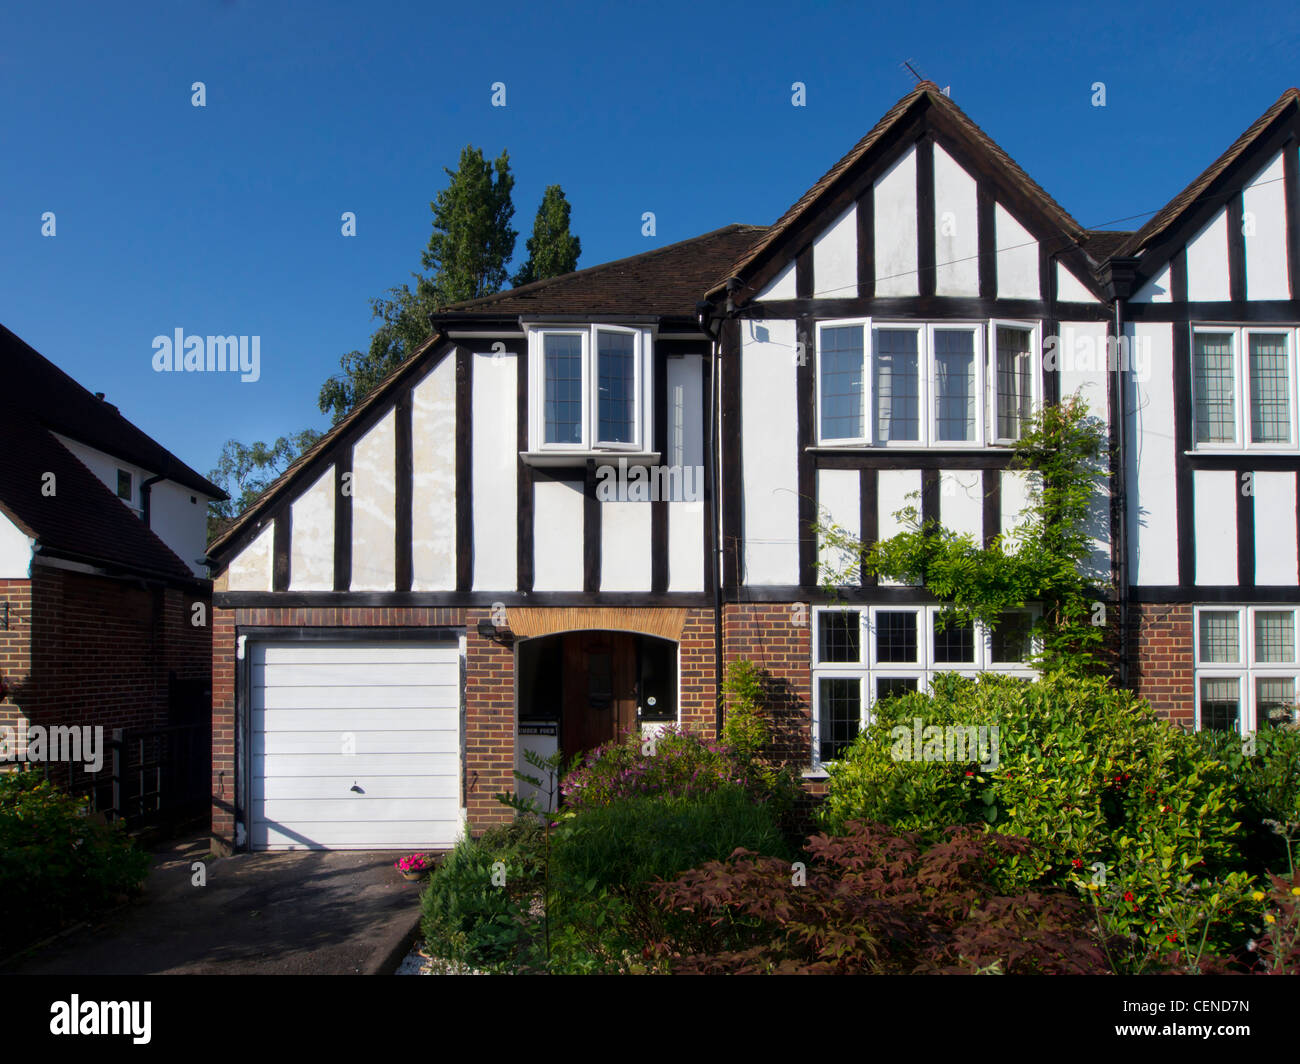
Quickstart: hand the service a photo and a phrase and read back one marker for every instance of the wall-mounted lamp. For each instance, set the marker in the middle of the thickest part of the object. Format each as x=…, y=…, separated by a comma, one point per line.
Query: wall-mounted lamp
x=489, y=631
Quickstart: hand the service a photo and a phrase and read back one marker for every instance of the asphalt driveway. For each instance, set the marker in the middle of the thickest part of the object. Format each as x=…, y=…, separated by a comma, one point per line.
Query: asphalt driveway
x=301, y=913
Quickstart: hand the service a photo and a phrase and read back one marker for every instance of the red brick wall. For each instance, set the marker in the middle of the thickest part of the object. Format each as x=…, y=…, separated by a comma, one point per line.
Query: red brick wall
x=15, y=649
x=776, y=636
x=489, y=697
x=87, y=650
x=1160, y=659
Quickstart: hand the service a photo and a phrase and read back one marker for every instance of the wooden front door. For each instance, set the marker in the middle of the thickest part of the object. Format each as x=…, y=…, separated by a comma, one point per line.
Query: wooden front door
x=599, y=689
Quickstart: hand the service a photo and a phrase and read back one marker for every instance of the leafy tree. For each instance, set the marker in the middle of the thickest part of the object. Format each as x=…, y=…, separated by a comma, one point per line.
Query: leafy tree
x=466, y=258
x=245, y=472
x=1043, y=560
x=552, y=249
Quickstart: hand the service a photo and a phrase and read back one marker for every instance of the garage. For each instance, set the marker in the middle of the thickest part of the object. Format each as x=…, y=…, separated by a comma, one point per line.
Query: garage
x=354, y=744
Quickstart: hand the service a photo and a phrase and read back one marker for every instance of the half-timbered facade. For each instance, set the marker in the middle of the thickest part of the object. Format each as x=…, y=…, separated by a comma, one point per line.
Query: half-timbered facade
x=563, y=515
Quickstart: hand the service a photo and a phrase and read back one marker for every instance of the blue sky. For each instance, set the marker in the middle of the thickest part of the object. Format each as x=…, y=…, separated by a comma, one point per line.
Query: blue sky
x=225, y=219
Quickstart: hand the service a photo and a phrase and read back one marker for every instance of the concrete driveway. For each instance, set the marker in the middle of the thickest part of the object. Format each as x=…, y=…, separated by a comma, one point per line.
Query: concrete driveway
x=300, y=913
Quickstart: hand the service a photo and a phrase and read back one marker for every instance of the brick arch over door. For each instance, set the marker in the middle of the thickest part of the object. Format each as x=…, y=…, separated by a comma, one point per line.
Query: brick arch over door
x=526, y=622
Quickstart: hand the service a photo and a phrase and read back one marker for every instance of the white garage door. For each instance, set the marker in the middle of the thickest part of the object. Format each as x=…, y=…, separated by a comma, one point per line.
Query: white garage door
x=355, y=745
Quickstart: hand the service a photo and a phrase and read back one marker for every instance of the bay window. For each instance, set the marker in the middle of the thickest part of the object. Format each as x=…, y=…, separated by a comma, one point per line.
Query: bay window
x=910, y=384
x=591, y=388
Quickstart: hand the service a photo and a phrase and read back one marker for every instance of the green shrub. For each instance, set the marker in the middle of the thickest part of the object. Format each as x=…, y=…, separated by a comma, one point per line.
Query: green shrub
x=475, y=904
x=676, y=762
x=57, y=865
x=606, y=857
x=1136, y=815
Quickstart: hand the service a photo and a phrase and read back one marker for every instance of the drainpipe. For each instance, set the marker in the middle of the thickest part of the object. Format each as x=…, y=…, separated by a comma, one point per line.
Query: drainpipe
x=712, y=326
x=1119, y=278
x=145, y=494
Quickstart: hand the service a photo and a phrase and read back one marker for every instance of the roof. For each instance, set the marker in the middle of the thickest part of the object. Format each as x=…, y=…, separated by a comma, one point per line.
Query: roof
x=82, y=519
x=1168, y=215
x=667, y=282
x=62, y=405
x=1101, y=244
x=926, y=91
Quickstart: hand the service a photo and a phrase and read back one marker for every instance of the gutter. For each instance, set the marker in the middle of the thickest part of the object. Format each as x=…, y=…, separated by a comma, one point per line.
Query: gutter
x=117, y=570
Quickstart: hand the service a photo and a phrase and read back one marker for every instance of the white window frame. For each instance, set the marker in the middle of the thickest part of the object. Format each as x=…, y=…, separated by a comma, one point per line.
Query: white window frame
x=927, y=381
x=868, y=668
x=978, y=373
x=1035, y=377
x=865, y=440
x=1246, y=670
x=642, y=353
x=1241, y=335
x=1257, y=330
x=922, y=383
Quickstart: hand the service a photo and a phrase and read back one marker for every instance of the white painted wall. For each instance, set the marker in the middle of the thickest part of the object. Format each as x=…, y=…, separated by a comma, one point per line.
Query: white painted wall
x=956, y=229
x=961, y=502
x=782, y=287
x=1214, y=506
x=686, y=546
x=557, y=535
x=1070, y=289
x=838, y=503
x=896, y=489
x=433, y=491
x=769, y=452
x=1089, y=377
x=311, y=546
x=835, y=258
x=1156, y=290
x=1015, y=490
x=374, y=522
x=15, y=551
x=684, y=447
x=1017, y=257
x=250, y=569
x=1275, y=528
x=1264, y=228
x=625, y=557
x=1207, y=261
x=895, y=224
x=180, y=523
x=1152, y=508
x=495, y=464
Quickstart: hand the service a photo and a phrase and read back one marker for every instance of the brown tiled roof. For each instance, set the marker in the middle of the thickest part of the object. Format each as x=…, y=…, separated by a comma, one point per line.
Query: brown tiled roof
x=82, y=519
x=64, y=406
x=925, y=90
x=666, y=282
x=1175, y=208
x=1100, y=244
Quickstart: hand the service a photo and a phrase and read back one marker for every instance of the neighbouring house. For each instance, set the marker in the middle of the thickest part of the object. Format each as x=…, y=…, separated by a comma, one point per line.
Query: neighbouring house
x=102, y=539
x=578, y=500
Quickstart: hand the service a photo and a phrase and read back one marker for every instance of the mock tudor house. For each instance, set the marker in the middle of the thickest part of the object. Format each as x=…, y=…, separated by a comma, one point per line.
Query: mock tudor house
x=580, y=499
x=102, y=540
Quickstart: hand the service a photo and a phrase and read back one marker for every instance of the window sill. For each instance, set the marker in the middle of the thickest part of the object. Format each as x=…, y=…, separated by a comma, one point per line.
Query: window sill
x=1242, y=452
x=903, y=448
x=815, y=774
x=551, y=459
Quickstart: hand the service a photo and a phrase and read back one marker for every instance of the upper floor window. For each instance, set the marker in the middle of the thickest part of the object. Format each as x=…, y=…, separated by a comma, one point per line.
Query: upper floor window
x=591, y=388
x=124, y=485
x=911, y=384
x=1243, y=388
